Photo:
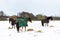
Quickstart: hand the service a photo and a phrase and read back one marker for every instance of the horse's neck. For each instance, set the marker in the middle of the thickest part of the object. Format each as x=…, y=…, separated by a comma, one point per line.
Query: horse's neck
x=48, y=18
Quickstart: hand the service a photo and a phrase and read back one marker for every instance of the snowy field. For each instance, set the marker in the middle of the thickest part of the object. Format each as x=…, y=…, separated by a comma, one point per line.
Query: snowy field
x=48, y=33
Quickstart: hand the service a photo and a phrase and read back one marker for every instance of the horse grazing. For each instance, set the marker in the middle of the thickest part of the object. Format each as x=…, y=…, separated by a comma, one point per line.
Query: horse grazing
x=46, y=20
x=22, y=22
x=13, y=22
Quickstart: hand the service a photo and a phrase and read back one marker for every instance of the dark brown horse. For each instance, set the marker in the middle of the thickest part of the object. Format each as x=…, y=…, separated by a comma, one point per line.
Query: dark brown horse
x=13, y=22
x=46, y=20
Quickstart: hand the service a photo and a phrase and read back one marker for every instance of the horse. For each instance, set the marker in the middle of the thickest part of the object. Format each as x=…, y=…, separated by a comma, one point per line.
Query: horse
x=13, y=22
x=46, y=20
x=22, y=22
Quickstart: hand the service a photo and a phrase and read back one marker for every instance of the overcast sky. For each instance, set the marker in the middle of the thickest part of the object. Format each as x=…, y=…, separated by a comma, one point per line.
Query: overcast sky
x=45, y=7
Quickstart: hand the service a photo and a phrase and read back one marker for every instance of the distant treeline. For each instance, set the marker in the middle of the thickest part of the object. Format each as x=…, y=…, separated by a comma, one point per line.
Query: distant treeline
x=3, y=16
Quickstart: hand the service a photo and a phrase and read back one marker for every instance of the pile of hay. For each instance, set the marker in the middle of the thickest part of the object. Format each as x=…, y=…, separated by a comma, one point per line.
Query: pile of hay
x=30, y=29
x=51, y=26
x=39, y=31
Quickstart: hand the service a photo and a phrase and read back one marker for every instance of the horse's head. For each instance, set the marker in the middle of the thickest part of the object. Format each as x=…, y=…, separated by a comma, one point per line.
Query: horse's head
x=29, y=19
x=14, y=17
x=50, y=18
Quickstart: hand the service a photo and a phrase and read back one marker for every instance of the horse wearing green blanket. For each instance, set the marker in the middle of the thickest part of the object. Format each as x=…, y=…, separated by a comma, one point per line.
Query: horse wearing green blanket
x=22, y=22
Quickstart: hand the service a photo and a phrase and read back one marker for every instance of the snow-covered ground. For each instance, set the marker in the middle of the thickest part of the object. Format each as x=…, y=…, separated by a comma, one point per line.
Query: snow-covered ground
x=48, y=33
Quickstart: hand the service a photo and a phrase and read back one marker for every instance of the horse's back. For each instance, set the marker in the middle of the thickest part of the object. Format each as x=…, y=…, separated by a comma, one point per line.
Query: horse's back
x=22, y=21
x=45, y=21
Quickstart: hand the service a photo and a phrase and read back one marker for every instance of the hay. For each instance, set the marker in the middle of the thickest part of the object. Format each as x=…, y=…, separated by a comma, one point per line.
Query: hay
x=30, y=29
x=51, y=26
x=39, y=31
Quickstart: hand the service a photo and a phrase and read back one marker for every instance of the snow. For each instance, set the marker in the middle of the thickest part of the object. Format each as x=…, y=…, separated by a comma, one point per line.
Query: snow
x=48, y=33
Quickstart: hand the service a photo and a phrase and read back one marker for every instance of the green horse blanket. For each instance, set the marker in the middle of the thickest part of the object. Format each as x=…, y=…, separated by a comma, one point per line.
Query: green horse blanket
x=22, y=22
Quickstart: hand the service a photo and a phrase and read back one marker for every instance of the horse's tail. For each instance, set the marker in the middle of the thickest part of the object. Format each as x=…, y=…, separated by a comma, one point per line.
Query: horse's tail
x=9, y=20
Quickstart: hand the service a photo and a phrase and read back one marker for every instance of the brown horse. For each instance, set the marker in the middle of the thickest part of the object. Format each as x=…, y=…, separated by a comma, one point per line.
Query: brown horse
x=46, y=20
x=13, y=21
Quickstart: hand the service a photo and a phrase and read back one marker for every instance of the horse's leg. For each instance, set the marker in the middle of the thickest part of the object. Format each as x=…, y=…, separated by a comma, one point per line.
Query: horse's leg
x=17, y=27
x=42, y=24
x=22, y=28
x=47, y=24
x=12, y=26
x=25, y=28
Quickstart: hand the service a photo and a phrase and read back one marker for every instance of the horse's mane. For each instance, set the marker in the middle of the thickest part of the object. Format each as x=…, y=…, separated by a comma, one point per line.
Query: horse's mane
x=49, y=17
